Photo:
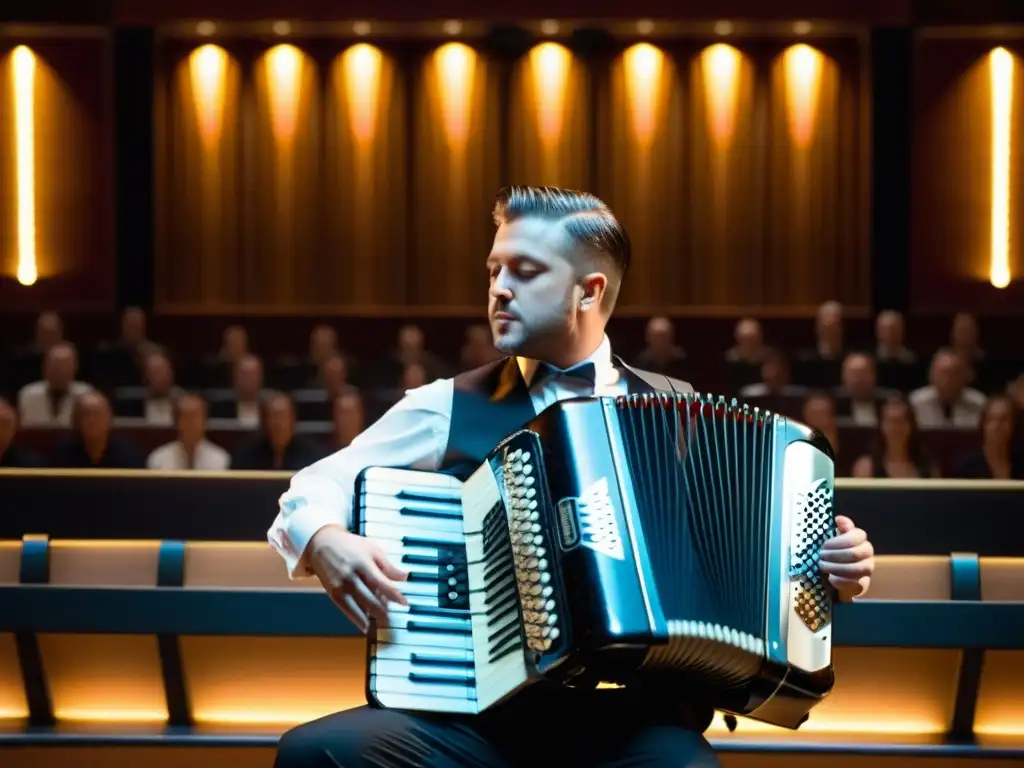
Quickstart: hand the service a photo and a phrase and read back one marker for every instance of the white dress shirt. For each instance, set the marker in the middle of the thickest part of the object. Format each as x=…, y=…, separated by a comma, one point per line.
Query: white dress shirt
x=36, y=410
x=172, y=456
x=413, y=433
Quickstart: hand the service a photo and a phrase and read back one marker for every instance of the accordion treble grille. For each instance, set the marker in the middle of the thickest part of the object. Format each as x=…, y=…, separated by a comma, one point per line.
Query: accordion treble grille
x=701, y=471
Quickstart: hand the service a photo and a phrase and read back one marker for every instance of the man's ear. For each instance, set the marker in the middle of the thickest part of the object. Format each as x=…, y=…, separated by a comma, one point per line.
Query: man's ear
x=593, y=287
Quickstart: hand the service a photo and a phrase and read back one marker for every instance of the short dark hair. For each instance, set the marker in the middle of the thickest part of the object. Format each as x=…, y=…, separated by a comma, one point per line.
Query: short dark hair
x=588, y=221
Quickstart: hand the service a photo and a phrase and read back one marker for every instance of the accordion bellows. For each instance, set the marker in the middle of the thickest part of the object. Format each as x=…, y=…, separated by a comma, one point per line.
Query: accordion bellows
x=639, y=539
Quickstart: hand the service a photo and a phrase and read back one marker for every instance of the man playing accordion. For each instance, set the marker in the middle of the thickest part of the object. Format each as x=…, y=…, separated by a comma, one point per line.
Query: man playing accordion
x=556, y=268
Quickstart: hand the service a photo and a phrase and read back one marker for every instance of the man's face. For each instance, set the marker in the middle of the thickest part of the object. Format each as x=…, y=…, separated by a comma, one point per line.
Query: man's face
x=191, y=420
x=323, y=343
x=49, y=330
x=60, y=367
x=94, y=417
x=280, y=422
x=159, y=375
x=947, y=376
x=532, y=282
x=133, y=325
x=248, y=378
x=889, y=329
x=859, y=376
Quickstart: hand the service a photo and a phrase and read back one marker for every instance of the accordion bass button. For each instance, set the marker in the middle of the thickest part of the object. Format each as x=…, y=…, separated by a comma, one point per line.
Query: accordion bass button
x=525, y=455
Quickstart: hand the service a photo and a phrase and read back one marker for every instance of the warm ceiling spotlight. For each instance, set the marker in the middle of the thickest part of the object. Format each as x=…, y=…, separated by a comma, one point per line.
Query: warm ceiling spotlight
x=802, y=28
x=645, y=26
x=361, y=28
x=723, y=28
x=452, y=27
x=282, y=28
x=549, y=27
x=205, y=28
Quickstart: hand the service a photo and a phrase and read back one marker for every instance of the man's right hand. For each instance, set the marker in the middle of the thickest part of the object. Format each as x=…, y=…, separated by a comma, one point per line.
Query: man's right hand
x=356, y=574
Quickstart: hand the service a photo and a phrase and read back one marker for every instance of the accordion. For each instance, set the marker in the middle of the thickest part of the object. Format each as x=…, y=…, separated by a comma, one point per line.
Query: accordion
x=619, y=540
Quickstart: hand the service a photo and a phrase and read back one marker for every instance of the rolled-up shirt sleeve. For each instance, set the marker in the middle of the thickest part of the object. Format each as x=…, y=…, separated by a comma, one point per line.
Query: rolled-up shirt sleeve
x=413, y=434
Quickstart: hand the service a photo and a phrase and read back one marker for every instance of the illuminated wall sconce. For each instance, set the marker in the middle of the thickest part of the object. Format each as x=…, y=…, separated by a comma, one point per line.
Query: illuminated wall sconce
x=23, y=73
x=1001, y=67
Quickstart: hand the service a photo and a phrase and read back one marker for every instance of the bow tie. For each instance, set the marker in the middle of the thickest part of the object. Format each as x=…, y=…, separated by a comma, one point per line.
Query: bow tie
x=547, y=372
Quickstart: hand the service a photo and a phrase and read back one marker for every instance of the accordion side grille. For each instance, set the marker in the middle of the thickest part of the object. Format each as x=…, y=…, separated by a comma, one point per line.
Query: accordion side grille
x=701, y=472
x=814, y=524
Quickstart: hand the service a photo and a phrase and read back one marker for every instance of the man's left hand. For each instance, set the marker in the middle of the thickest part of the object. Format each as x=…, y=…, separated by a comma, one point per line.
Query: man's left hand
x=848, y=559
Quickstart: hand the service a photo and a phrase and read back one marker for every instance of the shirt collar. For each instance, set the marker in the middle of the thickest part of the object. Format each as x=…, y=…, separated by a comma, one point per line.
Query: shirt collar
x=601, y=357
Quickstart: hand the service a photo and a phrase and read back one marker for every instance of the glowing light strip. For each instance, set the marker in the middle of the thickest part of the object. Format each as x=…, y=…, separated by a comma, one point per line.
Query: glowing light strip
x=1001, y=66
x=23, y=71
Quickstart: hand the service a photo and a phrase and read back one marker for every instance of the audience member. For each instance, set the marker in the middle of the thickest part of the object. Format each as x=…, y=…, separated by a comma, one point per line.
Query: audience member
x=11, y=453
x=964, y=339
x=277, y=447
x=243, y=403
x=50, y=401
x=947, y=401
x=1001, y=453
x=898, y=451
x=819, y=412
x=414, y=376
x=333, y=376
x=662, y=354
x=774, y=391
x=819, y=366
x=859, y=398
x=191, y=450
x=349, y=420
x=744, y=359
x=154, y=403
x=93, y=445
x=890, y=344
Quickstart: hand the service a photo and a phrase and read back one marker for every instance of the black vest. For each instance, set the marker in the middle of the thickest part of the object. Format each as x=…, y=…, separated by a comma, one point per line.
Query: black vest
x=492, y=401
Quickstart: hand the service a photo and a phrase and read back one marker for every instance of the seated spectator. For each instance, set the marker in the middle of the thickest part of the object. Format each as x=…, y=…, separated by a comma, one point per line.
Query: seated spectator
x=12, y=454
x=1001, y=454
x=897, y=367
x=774, y=391
x=947, y=401
x=93, y=445
x=155, y=401
x=121, y=361
x=745, y=358
x=859, y=399
x=349, y=420
x=662, y=354
x=479, y=348
x=277, y=447
x=217, y=370
x=898, y=451
x=50, y=402
x=26, y=361
x=819, y=412
x=243, y=402
x=317, y=403
x=819, y=366
x=414, y=376
x=965, y=341
x=191, y=450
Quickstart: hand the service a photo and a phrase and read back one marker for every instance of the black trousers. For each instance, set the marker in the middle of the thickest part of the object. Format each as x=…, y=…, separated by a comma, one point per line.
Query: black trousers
x=543, y=726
